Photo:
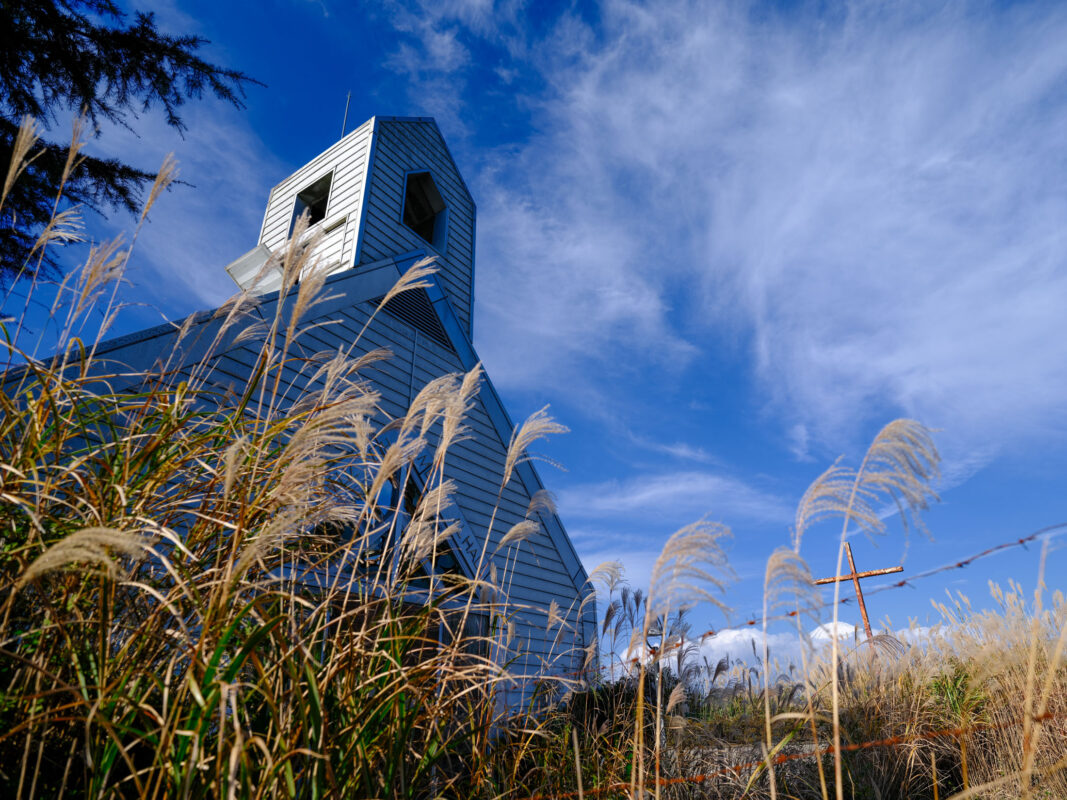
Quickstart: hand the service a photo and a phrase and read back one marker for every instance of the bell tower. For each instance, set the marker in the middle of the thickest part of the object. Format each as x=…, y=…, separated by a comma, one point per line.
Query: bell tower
x=389, y=188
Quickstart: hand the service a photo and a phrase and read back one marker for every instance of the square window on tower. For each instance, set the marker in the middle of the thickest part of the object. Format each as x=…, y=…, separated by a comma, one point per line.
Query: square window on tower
x=424, y=209
x=312, y=200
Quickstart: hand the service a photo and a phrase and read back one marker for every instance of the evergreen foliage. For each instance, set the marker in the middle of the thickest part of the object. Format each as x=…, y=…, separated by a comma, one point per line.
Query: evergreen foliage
x=82, y=56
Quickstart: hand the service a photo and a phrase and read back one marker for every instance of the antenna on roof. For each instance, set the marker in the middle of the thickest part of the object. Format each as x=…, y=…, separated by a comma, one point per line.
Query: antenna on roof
x=344, y=122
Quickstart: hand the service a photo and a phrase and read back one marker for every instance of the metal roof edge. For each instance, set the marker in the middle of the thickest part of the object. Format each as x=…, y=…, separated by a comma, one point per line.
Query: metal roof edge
x=365, y=282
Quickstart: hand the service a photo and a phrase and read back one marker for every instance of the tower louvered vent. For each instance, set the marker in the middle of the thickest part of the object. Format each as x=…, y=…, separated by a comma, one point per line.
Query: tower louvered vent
x=414, y=308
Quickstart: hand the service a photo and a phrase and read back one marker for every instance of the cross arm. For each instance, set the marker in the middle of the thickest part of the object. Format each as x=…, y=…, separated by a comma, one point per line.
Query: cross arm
x=868, y=574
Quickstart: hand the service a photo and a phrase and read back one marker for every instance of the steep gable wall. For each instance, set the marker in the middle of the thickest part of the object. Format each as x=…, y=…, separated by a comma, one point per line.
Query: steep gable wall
x=403, y=147
x=533, y=575
x=540, y=571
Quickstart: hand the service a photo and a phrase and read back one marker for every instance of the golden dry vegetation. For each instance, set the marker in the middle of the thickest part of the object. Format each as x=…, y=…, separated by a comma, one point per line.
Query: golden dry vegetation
x=213, y=594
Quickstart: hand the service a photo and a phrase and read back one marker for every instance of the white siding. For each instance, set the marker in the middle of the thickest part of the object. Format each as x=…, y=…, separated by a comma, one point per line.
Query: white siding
x=364, y=215
x=347, y=160
x=369, y=167
x=405, y=146
x=536, y=574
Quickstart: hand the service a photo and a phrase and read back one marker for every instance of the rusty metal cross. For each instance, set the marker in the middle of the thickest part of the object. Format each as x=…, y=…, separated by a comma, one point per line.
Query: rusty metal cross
x=855, y=578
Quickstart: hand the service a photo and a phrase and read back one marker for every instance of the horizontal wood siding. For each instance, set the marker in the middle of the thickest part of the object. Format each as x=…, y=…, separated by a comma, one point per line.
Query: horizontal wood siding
x=403, y=147
x=532, y=573
x=329, y=252
x=348, y=161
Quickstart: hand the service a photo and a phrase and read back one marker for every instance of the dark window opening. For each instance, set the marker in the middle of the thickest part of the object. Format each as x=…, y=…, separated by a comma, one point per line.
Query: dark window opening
x=471, y=627
x=312, y=200
x=424, y=208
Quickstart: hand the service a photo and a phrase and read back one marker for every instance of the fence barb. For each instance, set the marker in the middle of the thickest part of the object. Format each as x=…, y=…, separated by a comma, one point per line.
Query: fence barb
x=755, y=621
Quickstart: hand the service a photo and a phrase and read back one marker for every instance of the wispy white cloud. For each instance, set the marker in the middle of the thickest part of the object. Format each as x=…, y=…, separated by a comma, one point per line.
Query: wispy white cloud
x=436, y=54
x=194, y=230
x=674, y=496
x=686, y=452
x=799, y=442
x=892, y=224
x=873, y=198
x=682, y=451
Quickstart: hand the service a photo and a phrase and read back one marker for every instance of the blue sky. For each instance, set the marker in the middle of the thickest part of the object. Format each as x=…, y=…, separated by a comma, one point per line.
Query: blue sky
x=727, y=242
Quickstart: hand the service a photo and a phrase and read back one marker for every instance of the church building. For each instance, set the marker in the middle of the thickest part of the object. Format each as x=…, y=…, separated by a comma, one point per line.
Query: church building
x=383, y=197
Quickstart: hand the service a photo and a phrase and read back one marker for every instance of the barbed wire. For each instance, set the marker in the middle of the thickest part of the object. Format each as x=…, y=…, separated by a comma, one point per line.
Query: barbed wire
x=758, y=621
x=1025, y=540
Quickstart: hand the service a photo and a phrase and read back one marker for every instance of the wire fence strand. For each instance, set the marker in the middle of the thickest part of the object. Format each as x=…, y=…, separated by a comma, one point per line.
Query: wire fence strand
x=758, y=621
x=737, y=769
x=891, y=741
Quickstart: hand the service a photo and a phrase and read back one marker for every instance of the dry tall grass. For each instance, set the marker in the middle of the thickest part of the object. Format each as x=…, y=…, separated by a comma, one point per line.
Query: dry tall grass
x=975, y=706
x=232, y=594
x=225, y=594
